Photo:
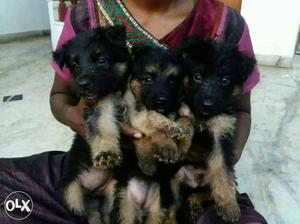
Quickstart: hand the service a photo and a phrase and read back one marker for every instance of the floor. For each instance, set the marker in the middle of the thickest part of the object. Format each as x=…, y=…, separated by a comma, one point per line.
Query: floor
x=269, y=170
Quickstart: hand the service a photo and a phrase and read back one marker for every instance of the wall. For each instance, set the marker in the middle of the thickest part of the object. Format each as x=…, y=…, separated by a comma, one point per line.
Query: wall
x=274, y=27
x=23, y=16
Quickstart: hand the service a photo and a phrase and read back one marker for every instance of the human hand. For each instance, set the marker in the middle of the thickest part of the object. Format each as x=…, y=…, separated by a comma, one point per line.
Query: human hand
x=74, y=118
x=130, y=131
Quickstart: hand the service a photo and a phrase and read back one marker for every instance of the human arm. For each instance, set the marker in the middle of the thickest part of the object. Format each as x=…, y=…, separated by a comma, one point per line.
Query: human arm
x=68, y=110
x=65, y=107
x=243, y=125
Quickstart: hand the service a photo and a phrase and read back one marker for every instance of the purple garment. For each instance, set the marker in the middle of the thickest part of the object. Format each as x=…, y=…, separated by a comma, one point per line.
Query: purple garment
x=38, y=176
x=210, y=18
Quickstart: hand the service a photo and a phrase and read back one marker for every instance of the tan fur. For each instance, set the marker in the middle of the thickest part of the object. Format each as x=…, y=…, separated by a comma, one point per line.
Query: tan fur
x=144, y=147
x=171, y=139
x=135, y=87
x=74, y=197
x=121, y=68
x=107, y=134
x=170, y=217
x=196, y=201
x=186, y=82
x=109, y=192
x=171, y=70
x=221, y=125
x=155, y=213
x=222, y=183
x=152, y=68
x=223, y=186
x=129, y=210
x=170, y=214
x=159, y=121
x=237, y=91
x=185, y=143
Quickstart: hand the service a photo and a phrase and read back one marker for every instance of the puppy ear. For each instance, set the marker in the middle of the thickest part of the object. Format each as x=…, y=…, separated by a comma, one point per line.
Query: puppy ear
x=138, y=51
x=59, y=56
x=194, y=47
x=185, y=50
x=116, y=35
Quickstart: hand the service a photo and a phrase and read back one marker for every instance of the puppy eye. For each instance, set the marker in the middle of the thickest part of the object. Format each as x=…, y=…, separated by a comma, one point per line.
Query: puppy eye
x=197, y=78
x=147, y=80
x=172, y=81
x=225, y=80
x=101, y=61
x=75, y=65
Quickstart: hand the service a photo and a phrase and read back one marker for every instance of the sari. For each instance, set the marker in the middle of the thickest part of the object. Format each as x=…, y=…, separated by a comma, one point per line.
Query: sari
x=39, y=175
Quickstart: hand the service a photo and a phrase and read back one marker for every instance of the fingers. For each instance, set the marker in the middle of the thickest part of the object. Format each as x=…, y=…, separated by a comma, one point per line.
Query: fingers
x=74, y=119
x=129, y=131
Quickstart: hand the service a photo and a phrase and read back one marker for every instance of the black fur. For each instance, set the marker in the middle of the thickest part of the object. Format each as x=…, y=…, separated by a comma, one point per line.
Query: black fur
x=216, y=69
x=161, y=91
x=92, y=57
x=99, y=62
x=217, y=72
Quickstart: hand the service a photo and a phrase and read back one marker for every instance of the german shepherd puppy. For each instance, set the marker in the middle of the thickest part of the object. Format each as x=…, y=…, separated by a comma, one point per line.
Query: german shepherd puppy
x=154, y=100
x=217, y=71
x=99, y=61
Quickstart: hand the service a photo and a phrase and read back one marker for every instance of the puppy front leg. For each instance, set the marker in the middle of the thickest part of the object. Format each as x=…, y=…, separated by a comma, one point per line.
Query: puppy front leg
x=145, y=154
x=155, y=215
x=223, y=187
x=195, y=205
x=74, y=197
x=166, y=149
x=129, y=210
x=186, y=121
x=171, y=128
x=93, y=213
x=103, y=136
x=170, y=217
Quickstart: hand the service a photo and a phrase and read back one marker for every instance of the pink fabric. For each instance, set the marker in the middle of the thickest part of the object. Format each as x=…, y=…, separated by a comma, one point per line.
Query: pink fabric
x=199, y=23
x=66, y=34
x=222, y=23
x=91, y=14
x=245, y=45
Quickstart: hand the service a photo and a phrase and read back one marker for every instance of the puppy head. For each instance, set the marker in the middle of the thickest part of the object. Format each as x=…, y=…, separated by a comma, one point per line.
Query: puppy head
x=98, y=60
x=157, y=79
x=217, y=74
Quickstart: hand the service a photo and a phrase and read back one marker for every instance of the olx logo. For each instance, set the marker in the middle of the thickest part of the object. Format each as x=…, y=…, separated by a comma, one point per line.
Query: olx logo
x=18, y=205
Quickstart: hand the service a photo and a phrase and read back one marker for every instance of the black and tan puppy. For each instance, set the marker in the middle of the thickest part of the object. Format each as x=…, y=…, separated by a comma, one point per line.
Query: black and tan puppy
x=155, y=106
x=218, y=72
x=155, y=100
x=99, y=62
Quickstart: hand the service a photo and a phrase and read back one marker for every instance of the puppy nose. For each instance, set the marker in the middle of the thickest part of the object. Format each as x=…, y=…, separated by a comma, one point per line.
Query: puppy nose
x=161, y=100
x=208, y=103
x=84, y=83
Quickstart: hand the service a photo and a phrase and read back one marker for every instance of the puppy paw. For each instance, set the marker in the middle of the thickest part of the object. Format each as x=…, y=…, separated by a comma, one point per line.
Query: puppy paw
x=168, y=153
x=185, y=111
x=195, y=212
x=176, y=132
x=107, y=160
x=148, y=167
x=230, y=213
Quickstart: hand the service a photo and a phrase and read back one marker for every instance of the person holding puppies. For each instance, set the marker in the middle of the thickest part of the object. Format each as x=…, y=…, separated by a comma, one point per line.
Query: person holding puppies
x=163, y=24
